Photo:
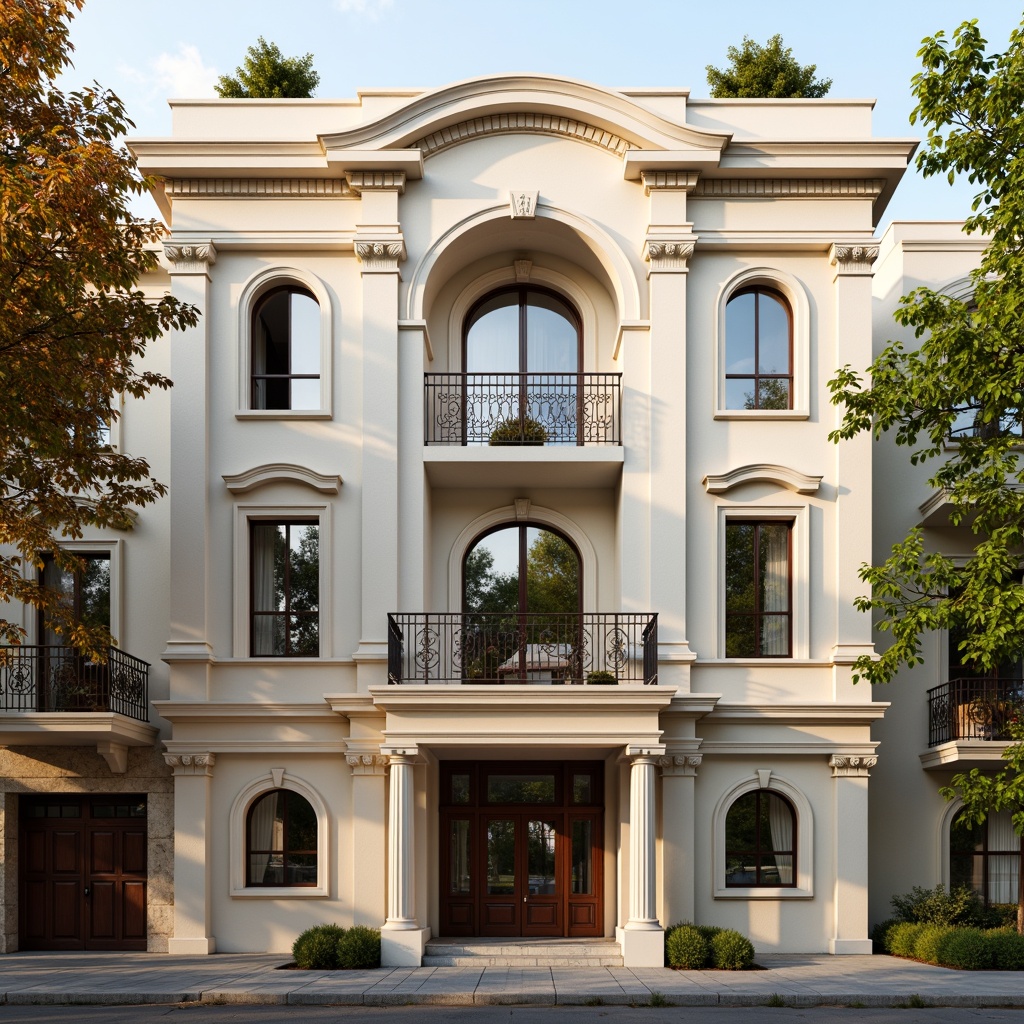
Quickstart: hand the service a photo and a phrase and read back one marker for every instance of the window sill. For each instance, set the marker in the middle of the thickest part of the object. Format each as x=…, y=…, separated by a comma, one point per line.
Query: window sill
x=281, y=892
x=283, y=414
x=763, y=892
x=762, y=414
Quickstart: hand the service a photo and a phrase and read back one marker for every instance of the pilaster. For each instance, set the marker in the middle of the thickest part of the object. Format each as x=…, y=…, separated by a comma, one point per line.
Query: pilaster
x=850, y=852
x=678, y=782
x=368, y=861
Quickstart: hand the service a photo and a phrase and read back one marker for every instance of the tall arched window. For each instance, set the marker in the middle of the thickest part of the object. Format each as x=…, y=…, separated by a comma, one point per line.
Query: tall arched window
x=286, y=350
x=281, y=840
x=758, y=350
x=760, y=841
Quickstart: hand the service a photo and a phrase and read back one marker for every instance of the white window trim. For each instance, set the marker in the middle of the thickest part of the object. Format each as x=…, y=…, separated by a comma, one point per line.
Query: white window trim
x=798, y=516
x=804, y=888
x=249, y=513
x=795, y=294
x=277, y=778
x=252, y=291
x=114, y=548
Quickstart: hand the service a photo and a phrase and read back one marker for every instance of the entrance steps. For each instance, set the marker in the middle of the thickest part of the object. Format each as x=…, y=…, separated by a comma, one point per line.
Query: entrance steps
x=511, y=952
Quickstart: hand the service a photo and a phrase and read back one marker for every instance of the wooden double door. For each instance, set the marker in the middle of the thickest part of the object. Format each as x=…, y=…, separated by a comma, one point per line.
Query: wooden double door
x=522, y=850
x=82, y=872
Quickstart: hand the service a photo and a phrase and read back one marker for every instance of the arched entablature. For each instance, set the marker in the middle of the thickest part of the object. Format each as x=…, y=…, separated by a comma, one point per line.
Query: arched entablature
x=762, y=472
x=515, y=513
x=281, y=472
x=482, y=233
x=503, y=104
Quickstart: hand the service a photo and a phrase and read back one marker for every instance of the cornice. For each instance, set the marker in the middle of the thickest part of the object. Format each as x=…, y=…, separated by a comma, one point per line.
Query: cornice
x=258, y=188
x=788, y=188
x=795, y=714
x=281, y=472
x=762, y=472
x=615, y=700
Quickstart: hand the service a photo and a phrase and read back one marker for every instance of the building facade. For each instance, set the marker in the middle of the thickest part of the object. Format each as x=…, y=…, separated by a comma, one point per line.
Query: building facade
x=505, y=585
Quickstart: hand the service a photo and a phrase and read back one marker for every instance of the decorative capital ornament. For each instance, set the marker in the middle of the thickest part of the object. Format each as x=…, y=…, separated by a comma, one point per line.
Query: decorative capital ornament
x=843, y=765
x=675, y=765
x=668, y=256
x=190, y=257
x=191, y=764
x=381, y=256
x=366, y=764
x=853, y=259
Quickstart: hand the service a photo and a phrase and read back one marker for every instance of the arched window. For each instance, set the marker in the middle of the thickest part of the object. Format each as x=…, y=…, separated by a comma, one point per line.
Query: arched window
x=758, y=350
x=760, y=841
x=286, y=340
x=985, y=858
x=281, y=841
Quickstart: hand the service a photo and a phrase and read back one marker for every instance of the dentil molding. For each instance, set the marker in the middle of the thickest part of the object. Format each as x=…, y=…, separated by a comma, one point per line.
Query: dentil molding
x=376, y=181
x=190, y=257
x=256, y=188
x=669, y=181
x=789, y=188
x=843, y=765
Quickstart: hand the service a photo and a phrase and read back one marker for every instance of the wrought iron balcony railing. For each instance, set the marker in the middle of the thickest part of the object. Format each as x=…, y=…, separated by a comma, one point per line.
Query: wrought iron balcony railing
x=494, y=648
x=522, y=408
x=35, y=678
x=973, y=709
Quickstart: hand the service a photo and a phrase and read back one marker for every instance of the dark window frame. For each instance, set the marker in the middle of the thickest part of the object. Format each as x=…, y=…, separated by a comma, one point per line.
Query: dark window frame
x=254, y=334
x=758, y=852
x=76, y=595
x=757, y=614
x=287, y=796
x=757, y=290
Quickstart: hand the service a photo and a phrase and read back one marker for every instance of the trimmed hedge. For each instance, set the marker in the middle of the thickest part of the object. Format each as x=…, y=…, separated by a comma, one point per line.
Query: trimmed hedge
x=359, y=948
x=731, y=951
x=686, y=949
x=329, y=947
x=901, y=938
x=692, y=947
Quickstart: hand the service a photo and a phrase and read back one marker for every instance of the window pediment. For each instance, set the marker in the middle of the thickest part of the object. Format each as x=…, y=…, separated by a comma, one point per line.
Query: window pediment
x=281, y=472
x=762, y=472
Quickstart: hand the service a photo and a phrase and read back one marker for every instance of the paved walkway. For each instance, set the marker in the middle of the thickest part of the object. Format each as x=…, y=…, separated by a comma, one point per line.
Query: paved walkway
x=120, y=978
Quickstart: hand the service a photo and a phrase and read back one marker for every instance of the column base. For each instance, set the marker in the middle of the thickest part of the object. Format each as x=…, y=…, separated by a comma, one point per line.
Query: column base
x=847, y=947
x=642, y=947
x=402, y=947
x=192, y=947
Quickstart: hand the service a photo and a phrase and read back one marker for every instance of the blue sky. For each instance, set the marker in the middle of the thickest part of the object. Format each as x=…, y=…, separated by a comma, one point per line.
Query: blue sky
x=149, y=50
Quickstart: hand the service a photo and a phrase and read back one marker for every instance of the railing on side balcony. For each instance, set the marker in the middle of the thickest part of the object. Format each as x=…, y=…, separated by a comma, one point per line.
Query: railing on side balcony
x=973, y=709
x=522, y=408
x=495, y=648
x=35, y=678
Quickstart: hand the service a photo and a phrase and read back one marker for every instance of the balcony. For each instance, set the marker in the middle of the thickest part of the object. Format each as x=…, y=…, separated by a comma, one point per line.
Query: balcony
x=54, y=695
x=968, y=721
x=532, y=648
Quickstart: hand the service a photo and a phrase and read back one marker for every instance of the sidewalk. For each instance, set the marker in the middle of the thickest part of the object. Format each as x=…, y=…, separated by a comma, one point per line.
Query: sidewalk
x=131, y=978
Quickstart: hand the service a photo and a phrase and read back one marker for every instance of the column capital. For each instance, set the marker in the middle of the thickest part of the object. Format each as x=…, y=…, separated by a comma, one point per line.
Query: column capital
x=381, y=255
x=846, y=765
x=376, y=181
x=643, y=753
x=190, y=257
x=405, y=753
x=853, y=258
x=667, y=255
x=669, y=181
x=366, y=763
x=191, y=764
x=675, y=765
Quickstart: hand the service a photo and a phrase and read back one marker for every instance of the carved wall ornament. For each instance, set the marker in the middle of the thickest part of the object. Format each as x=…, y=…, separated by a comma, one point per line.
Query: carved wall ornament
x=523, y=204
x=680, y=764
x=522, y=508
x=853, y=259
x=376, y=181
x=384, y=255
x=190, y=257
x=256, y=188
x=668, y=255
x=523, y=269
x=524, y=122
x=852, y=765
x=191, y=764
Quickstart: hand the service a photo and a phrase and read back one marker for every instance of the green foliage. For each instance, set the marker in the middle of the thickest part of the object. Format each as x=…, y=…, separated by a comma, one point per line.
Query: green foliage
x=518, y=431
x=686, y=949
x=267, y=74
x=765, y=71
x=959, y=906
x=659, y=999
x=316, y=949
x=1007, y=949
x=731, y=951
x=930, y=940
x=601, y=678
x=880, y=934
x=966, y=949
x=359, y=948
x=902, y=937
x=73, y=322
x=967, y=367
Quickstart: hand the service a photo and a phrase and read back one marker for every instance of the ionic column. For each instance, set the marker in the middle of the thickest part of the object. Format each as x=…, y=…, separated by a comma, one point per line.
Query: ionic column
x=402, y=938
x=192, y=854
x=850, y=853
x=678, y=782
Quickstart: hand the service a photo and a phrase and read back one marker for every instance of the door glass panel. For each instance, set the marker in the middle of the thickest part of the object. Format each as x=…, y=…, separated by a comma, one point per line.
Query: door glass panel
x=552, y=342
x=540, y=838
x=552, y=573
x=501, y=857
x=582, y=791
x=491, y=573
x=458, y=857
x=460, y=788
x=492, y=340
x=582, y=858
x=520, y=789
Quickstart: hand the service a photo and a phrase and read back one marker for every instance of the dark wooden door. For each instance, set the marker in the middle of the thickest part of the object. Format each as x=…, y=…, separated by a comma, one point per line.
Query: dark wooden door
x=82, y=873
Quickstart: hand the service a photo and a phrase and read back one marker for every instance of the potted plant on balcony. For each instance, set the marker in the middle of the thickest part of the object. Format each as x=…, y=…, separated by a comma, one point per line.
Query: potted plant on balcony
x=519, y=431
x=601, y=678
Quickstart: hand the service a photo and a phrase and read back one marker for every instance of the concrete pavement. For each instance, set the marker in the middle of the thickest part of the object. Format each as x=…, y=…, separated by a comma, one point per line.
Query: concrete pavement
x=806, y=980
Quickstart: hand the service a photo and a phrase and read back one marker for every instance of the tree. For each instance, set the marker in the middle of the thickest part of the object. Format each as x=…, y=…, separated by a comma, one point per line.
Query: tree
x=72, y=321
x=983, y=795
x=969, y=366
x=769, y=71
x=267, y=74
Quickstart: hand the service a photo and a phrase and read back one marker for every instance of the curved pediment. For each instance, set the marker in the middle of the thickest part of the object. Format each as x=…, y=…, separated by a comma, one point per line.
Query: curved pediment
x=526, y=104
x=762, y=472
x=281, y=472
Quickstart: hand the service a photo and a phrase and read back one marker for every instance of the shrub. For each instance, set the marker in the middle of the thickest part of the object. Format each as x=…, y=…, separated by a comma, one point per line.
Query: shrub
x=516, y=431
x=999, y=915
x=359, y=948
x=960, y=906
x=731, y=951
x=1007, y=949
x=965, y=948
x=686, y=948
x=316, y=949
x=601, y=678
x=709, y=931
x=929, y=940
x=901, y=938
x=880, y=932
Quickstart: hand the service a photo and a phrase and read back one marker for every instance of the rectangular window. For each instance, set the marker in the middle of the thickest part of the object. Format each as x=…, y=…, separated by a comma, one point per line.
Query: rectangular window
x=284, y=566
x=84, y=590
x=758, y=589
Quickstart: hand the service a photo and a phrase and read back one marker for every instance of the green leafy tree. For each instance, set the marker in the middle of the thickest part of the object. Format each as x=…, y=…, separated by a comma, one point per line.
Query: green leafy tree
x=984, y=794
x=552, y=574
x=969, y=365
x=768, y=72
x=73, y=323
x=267, y=74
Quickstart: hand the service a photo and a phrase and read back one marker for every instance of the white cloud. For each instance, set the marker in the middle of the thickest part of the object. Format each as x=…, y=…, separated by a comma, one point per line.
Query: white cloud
x=364, y=8
x=180, y=75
